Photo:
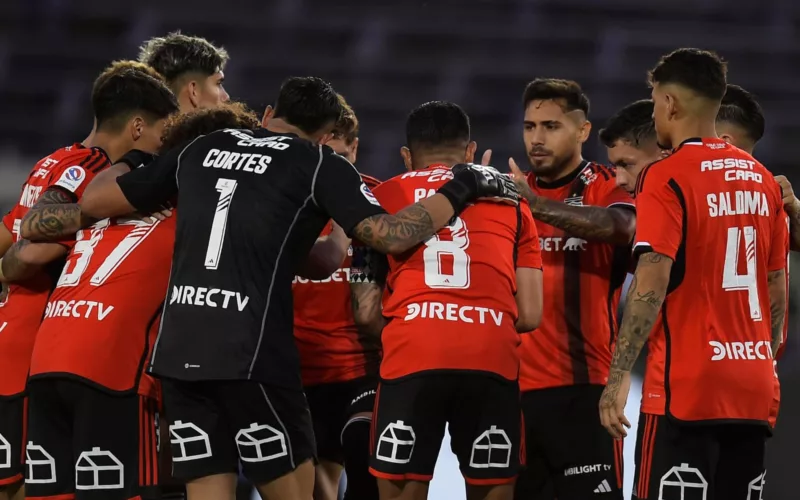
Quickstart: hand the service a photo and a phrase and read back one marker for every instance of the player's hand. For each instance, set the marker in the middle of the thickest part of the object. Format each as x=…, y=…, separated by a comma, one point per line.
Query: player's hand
x=472, y=182
x=521, y=181
x=790, y=201
x=159, y=215
x=612, y=403
x=3, y=292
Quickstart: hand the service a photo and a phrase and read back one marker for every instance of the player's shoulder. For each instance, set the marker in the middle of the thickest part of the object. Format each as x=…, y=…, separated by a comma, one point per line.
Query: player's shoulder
x=370, y=181
x=92, y=159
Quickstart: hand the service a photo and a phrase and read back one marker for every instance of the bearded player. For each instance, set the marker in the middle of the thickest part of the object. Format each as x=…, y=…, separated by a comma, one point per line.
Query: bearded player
x=586, y=224
x=338, y=364
x=448, y=325
x=130, y=107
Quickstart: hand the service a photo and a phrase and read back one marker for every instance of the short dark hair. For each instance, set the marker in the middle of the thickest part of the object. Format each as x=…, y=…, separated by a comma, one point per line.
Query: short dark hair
x=118, y=93
x=546, y=89
x=308, y=103
x=121, y=65
x=436, y=124
x=741, y=108
x=699, y=70
x=183, y=127
x=346, y=128
x=176, y=55
x=633, y=123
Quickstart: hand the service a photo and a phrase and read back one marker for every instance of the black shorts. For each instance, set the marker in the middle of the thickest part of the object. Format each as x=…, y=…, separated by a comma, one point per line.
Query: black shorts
x=215, y=425
x=570, y=455
x=483, y=414
x=12, y=439
x=687, y=462
x=332, y=406
x=89, y=442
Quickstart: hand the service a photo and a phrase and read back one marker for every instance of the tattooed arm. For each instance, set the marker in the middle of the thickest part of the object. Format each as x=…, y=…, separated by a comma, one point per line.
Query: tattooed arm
x=777, y=306
x=367, y=281
x=643, y=302
x=24, y=259
x=610, y=225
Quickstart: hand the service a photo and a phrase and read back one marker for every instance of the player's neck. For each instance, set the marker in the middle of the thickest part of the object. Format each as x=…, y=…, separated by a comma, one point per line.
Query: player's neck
x=114, y=146
x=565, y=170
x=424, y=161
x=90, y=137
x=690, y=129
x=281, y=126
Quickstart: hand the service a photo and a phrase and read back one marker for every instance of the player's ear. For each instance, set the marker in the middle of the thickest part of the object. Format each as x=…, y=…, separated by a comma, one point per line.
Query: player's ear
x=137, y=125
x=671, y=105
x=193, y=92
x=584, y=131
x=354, y=150
x=469, y=154
x=268, y=113
x=727, y=138
x=406, y=154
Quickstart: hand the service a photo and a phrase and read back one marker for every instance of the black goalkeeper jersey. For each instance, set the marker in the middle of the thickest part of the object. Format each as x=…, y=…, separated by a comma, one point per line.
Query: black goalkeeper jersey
x=250, y=206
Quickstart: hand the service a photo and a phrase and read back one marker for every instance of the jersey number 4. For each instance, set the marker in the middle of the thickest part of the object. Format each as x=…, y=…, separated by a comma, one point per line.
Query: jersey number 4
x=731, y=279
x=446, y=260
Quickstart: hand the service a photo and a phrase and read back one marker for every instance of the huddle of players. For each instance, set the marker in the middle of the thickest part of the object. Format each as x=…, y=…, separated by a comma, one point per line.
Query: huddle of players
x=458, y=287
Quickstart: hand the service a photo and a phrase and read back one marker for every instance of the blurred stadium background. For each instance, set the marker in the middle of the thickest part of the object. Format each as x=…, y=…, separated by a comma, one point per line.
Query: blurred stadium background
x=387, y=56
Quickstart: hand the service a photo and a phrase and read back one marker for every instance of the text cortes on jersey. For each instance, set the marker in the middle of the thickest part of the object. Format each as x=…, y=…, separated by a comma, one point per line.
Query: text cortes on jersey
x=246, y=162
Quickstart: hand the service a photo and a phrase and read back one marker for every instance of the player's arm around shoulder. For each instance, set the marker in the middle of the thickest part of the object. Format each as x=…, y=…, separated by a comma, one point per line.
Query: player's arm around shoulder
x=530, y=292
x=368, y=273
x=792, y=206
x=24, y=259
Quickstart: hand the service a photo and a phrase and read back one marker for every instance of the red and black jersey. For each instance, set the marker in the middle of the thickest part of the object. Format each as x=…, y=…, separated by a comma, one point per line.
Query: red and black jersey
x=330, y=346
x=102, y=319
x=69, y=169
x=582, y=286
x=452, y=304
x=716, y=212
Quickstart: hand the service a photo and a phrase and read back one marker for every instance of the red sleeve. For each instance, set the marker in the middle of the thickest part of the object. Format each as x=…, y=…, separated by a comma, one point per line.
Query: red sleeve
x=390, y=195
x=604, y=192
x=78, y=172
x=659, y=225
x=529, y=254
x=780, y=241
x=8, y=221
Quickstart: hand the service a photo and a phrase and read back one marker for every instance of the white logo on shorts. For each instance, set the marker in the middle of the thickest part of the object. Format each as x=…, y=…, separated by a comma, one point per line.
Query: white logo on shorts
x=679, y=482
x=5, y=452
x=41, y=465
x=98, y=470
x=396, y=443
x=492, y=449
x=191, y=441
x=260, y=443
x=755, y=490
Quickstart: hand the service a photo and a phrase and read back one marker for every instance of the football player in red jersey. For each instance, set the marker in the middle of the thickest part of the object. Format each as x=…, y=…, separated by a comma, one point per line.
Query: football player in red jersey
x=586, y=224
x=130, y=106
x=707, y=280
x=338, y=365
x=630, y=140
x=448, y=325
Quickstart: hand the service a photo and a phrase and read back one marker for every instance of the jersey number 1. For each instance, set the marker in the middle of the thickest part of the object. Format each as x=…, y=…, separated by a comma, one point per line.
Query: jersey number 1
x=731, y=279
x=438, y=251
x=226, y=188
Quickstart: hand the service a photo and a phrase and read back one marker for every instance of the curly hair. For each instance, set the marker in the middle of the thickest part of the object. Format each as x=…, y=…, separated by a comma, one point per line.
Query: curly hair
x=346, y=127
x=187, y=126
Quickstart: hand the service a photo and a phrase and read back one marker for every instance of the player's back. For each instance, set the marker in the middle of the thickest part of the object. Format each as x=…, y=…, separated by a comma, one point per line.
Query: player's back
x=451, y=302
x=714, y=331
x=69, y=168
x=101, y=319
x=248, y=216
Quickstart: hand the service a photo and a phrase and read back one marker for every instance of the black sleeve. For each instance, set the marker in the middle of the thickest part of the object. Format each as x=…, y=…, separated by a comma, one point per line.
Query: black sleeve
x=148, y=188
x=339, y=191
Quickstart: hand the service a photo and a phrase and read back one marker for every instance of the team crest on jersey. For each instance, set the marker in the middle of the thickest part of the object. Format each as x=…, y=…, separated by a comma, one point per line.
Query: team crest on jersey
x=588, y=176
x=72, y=178
x=368, y=195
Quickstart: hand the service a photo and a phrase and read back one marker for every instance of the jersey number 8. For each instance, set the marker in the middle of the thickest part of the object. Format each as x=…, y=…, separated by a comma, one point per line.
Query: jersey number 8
x=440, y=254
x=731, y=279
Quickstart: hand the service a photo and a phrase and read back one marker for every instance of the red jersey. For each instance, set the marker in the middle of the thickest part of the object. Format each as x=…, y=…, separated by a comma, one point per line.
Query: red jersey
x=452, y=302
x=70, y=169
x=103, y=317
x=582, y=286
x=330, y=346
x=715, y=211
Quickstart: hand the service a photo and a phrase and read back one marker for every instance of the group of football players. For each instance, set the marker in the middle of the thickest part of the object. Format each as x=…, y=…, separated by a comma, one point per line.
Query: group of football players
x=502, y=326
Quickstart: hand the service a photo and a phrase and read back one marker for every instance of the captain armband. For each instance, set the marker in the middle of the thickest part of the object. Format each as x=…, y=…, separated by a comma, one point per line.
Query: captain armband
x=368, y=266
